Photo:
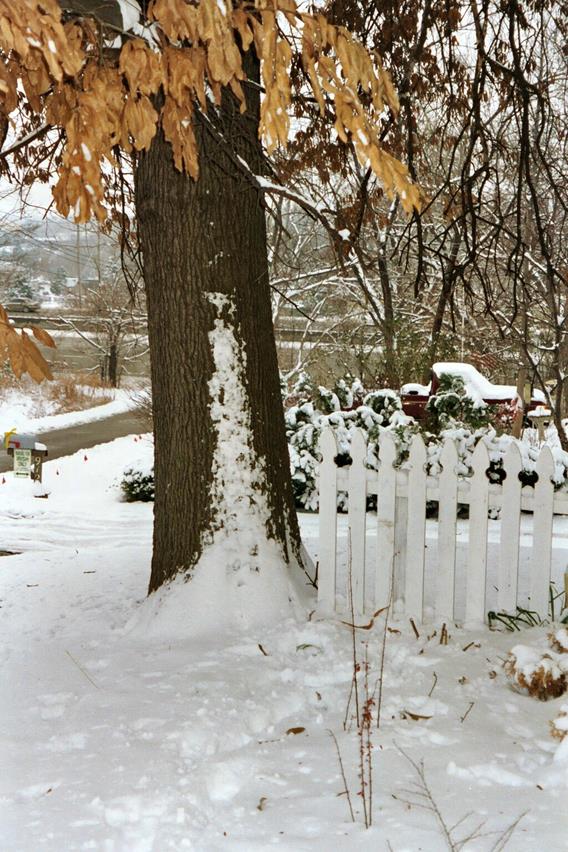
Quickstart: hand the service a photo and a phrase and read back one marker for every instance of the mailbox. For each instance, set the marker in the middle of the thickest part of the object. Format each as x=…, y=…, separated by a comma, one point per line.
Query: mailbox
x=27, y=452
x=20, y=441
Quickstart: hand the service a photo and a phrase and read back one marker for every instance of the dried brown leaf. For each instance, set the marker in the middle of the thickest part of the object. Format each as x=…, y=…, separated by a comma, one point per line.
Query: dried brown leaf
x=43, y=336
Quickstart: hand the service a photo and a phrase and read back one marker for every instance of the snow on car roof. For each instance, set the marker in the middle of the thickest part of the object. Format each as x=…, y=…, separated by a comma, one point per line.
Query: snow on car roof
x=477, y=385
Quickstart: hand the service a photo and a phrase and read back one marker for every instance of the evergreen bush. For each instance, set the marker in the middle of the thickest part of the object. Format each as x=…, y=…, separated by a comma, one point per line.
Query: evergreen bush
x=137, y=485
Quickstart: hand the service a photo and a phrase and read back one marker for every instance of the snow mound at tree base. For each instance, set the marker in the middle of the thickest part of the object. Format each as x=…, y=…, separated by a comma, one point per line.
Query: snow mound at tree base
x=227, y=591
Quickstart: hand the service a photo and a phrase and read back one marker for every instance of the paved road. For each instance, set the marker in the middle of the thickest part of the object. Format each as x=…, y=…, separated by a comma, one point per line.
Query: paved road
x=65, y=442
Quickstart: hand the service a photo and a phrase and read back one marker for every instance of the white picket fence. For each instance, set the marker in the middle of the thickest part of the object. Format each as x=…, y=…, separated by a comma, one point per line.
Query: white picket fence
x=401, y=530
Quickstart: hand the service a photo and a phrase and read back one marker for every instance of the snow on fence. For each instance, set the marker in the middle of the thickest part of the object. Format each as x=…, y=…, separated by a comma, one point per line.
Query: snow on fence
x=401, y=529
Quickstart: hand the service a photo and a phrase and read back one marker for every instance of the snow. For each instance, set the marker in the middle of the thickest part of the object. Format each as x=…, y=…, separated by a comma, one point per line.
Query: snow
x=130, y=11
x=415, y=388
x=477, y=385
x=238, y=580
x=116, y=739
x=15, y=408
x=561, y=724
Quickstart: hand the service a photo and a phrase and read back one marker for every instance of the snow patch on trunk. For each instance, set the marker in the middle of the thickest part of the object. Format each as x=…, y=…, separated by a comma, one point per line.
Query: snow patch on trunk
x=241, y=579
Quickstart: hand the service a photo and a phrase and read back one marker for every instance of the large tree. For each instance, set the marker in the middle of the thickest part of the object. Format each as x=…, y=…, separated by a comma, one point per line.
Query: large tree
x=187, y=90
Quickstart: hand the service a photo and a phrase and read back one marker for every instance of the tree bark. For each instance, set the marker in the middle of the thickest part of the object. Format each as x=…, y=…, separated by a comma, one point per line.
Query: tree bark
x=113, y=366
x=448, y=285
x=201, y=238
x=389, y=325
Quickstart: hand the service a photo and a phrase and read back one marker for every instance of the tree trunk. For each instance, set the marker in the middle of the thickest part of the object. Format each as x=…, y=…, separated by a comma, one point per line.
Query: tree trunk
x=113, y=366
x=213, y=355
x=448, y=285
x=389, y=325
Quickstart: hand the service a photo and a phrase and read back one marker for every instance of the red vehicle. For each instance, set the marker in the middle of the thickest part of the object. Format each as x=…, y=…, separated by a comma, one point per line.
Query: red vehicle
x=415, y=397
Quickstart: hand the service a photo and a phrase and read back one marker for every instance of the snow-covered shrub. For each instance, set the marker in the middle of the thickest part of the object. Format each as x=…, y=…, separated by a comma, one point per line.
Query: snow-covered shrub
x=137, y=484
x=454, y=414
x=497, y=445
x=452, y=404
x=344, y=408
x=349, y=394
x=303, y=431
x=540, y=675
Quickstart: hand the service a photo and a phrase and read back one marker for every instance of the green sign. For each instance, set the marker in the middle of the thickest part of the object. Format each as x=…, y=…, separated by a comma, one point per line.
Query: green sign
x=22, y=462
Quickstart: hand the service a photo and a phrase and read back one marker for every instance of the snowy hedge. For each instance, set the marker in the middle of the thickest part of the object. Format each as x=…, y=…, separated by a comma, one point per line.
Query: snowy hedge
x=451, y=414
x=344, y=408
x=347, y=406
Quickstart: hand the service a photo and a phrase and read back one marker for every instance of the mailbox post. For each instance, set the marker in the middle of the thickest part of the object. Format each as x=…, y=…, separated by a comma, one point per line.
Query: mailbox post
x=28, y=454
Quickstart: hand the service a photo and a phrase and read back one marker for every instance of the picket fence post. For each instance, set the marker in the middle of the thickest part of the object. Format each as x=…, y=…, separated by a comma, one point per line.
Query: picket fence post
x=542, y=533
x=510, y=531
x=327, y=570
x=477, y=551
x=386, y=516
x=400, y=543
x=416, y=529
x=357, y=519
x=447, y=525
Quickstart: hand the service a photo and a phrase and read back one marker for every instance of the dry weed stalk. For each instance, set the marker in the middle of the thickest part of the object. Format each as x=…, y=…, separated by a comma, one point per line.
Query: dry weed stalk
x=364, y=703
x=422, y=797
x=143, y=409
x=366, y=747
x=354, y=689
x=67, y=392
x=346, y=790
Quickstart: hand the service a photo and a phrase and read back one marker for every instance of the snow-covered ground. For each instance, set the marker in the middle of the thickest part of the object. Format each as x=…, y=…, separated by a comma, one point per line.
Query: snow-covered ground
x=120, y=741
x=17, y=407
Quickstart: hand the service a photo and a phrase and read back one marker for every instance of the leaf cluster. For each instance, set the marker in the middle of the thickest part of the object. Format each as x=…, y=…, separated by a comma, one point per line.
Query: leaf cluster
x=21, y=351
x=107, y=99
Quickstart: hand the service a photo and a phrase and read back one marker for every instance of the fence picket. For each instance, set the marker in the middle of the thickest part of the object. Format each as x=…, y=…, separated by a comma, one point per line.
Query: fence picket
x=510, y=531
x=400, y=542
x=416, y=529
x=401, y=527
x=357, y=518
x=386, y=514
x=327, y=571
x=542, y=533
x=477, y=551
x=447, y=521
